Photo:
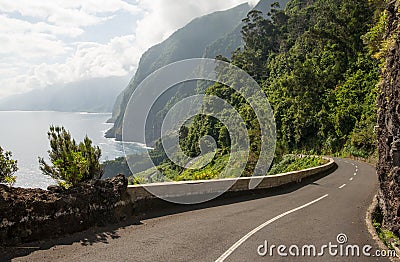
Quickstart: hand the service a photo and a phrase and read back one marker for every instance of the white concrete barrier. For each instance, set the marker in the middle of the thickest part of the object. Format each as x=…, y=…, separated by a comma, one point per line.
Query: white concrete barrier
x=217, y=187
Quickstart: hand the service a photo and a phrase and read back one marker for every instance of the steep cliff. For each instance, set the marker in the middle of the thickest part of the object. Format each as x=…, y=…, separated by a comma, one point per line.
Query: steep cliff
x=208, y=36
x=389, y=122
x=188, y=42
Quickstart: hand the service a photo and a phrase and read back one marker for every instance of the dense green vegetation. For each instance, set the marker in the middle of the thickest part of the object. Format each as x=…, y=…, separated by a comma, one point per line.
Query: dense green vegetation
x=317, y=73
x=71, y=163
x=318, y=63
x=290, y=163
x=8, y=167
x=287, y=163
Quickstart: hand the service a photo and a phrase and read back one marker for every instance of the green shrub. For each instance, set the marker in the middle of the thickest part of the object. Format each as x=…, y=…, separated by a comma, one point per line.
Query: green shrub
x=387, y=236
x=71, y=163
x=8, y=167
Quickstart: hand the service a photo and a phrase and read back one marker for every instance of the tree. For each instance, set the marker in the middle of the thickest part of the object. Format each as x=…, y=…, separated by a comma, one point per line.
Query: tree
x=71, y=163
x=261, y=38
x=8, y=167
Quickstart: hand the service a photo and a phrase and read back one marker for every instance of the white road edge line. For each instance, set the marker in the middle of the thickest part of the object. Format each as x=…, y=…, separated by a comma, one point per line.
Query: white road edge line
x=342, y=186
x=243, y=239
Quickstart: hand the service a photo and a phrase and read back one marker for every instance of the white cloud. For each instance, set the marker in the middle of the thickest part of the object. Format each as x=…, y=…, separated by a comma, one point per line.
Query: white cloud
x=25, y=40
x=96, y=6
x=11, y=25
x=253, y=2
x=90, y=60
x=163, y=17
x=96, y=60
x=61, y=12
x=50, y=30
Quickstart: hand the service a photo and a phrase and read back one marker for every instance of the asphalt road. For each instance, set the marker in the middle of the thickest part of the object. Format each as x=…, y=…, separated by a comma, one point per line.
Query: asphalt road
x=313, y=213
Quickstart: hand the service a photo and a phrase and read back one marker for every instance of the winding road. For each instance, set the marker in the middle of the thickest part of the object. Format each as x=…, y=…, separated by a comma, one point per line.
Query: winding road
x=328, y=210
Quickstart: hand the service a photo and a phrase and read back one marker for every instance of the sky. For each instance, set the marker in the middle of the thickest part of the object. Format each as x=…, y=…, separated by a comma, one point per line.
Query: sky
x=51, y=42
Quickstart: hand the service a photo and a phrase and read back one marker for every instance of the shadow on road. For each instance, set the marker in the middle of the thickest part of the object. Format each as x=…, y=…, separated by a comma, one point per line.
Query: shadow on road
x=86, y=238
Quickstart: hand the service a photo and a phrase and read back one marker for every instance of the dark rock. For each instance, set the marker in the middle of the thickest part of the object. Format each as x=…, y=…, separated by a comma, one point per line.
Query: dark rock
x=34, y=214
x=55, y=189
x=395, y=153
x=389, y=124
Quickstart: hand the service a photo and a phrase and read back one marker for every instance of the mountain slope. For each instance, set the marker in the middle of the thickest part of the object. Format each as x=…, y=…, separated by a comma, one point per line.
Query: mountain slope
x=94, y=95
x=207, y=36
x=188, y=42
x=231, y=41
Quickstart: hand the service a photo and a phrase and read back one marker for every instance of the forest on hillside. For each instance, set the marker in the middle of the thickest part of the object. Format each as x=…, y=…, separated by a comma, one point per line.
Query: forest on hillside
x=318, y=64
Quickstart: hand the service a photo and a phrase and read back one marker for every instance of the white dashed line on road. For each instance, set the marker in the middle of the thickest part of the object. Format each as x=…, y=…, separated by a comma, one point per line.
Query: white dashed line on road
x=243, y=239
x=342, y=186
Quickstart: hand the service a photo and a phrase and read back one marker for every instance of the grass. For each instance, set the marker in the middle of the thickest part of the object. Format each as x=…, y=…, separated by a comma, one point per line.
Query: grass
x=387, y=236
x=290, y=163
x=200, y=170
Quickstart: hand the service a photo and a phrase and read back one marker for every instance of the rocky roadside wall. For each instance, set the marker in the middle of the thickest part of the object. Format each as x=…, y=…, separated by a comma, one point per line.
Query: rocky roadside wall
x=33, y=214
x=389, y=124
